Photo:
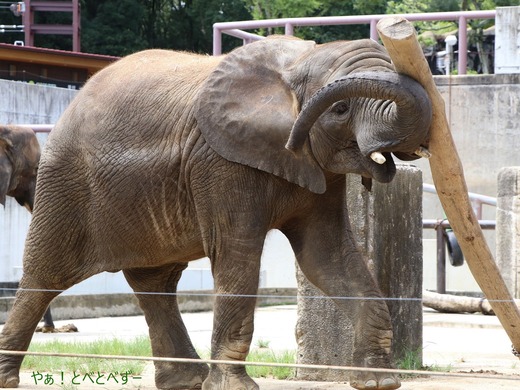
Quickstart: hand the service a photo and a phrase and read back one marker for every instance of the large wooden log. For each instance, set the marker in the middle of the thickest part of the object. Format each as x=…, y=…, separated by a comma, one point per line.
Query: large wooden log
x=447, y=303
x=399, y=37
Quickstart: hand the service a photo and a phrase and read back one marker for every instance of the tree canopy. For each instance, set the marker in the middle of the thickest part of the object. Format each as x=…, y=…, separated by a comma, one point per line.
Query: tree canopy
x=120, y=27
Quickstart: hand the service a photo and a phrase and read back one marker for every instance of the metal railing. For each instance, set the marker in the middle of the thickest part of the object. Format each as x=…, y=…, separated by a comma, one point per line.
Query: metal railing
x=235, y=28
x=442, y=226
x=39, y=128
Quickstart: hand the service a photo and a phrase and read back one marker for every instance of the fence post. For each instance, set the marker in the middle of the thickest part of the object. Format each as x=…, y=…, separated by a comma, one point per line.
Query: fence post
x=508, y=228
x=387, y=223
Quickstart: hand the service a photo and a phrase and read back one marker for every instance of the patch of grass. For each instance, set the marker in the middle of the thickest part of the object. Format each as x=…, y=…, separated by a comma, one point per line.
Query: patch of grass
x=261, y=343
x=412, y=361
x=270, y=356
x=139, y=346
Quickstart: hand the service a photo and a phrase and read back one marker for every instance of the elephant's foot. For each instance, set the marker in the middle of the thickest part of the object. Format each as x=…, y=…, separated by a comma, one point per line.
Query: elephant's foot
x=374, y=381
x=173, y=376
x=9, y=376
x=219, y=379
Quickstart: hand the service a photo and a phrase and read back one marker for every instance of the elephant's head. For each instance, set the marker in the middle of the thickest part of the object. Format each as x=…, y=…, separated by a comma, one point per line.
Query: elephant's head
x=19, y=158
x=296, y=109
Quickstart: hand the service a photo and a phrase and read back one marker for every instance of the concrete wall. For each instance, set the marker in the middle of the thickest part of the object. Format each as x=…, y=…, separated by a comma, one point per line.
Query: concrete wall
x=24, y=103
x=507, y=39
x=483, y=112
x=508, y=228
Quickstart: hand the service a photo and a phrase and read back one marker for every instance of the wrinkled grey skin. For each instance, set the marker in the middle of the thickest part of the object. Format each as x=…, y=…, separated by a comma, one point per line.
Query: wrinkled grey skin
x=167, y=157
x=19, y=157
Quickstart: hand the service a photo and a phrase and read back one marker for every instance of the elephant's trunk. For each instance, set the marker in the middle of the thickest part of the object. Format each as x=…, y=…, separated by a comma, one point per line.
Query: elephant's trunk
x=407, y=119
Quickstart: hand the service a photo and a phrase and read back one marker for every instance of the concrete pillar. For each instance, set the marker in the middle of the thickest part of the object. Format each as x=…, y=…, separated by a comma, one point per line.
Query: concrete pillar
x=508, y=228
x=387, y=223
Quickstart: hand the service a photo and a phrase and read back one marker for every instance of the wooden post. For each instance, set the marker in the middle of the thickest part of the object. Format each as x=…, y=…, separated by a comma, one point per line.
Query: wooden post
x=399, y=37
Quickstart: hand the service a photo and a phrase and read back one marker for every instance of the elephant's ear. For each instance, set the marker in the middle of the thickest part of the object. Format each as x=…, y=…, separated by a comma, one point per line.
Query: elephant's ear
x=246, y=109
x=6, y=169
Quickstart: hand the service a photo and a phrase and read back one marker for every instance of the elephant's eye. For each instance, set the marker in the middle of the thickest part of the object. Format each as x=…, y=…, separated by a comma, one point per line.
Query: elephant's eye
x=340, y=108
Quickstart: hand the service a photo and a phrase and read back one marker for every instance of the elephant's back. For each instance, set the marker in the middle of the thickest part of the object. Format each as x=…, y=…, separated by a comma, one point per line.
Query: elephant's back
x=141, y=101
x=136, y=90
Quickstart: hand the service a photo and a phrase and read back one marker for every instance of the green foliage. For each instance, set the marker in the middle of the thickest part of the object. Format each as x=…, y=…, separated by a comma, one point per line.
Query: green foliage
x=119, y=27
x=273, y=9
x=270, y=356
x=140, y=346
x=322, y=34
x=113, y=27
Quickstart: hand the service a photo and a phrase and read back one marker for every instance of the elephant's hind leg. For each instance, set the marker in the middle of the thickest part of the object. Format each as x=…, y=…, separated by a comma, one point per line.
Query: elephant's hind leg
x=168, y=335
x=28, y=308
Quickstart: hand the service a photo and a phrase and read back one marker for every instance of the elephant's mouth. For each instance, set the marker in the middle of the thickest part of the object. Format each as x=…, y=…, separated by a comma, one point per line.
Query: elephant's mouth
x=382, y=171
x=381, y=166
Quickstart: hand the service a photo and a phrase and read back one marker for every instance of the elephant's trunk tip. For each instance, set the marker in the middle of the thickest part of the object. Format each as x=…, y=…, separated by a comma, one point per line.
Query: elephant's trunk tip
x=294, y=144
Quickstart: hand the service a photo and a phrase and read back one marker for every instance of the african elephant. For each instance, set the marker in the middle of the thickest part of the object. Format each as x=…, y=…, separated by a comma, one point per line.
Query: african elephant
x=19, y=157
x=167, y=157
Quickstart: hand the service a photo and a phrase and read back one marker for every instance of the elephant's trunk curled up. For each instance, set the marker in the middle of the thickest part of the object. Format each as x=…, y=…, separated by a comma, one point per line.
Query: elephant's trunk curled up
x=411, y=110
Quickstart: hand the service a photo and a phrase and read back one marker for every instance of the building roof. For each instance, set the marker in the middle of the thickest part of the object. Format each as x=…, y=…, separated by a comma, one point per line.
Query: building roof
x=43, y=56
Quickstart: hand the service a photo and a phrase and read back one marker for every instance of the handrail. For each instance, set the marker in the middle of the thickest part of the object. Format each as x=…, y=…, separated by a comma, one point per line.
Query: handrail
x=233, y=28
x=442, y=225
x=39, y=128
x=477, y=200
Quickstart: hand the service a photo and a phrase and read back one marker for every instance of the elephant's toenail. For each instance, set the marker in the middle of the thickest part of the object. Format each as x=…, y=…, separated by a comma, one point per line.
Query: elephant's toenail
x=390, y=383
x=371, y=384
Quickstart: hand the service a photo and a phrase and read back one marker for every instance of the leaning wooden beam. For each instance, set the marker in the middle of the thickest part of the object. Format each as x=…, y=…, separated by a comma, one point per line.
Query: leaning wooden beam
x=399, y=37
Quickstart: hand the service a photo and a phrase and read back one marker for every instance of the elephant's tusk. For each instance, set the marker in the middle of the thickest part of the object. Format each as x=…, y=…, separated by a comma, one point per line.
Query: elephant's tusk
x=378, y=158
x=421, y=151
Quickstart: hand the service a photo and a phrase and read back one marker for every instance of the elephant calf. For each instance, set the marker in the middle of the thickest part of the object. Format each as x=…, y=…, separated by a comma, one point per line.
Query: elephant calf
x=166, y=157
x=19, y=157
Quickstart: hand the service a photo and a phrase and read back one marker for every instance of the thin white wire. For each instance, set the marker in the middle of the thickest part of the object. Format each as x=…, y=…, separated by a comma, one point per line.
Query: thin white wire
x=208, y=294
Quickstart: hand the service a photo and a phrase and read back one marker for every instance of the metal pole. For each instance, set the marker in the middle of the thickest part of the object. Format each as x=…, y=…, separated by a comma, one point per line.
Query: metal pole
x=217, y=41
x=441, y=261
x=374, y=35
x=463, y=45
x=76, y=26
x=289, y=29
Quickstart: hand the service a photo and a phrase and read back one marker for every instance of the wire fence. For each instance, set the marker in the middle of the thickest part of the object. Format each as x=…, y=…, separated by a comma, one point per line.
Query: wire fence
x=258, y=296
x=407, y=372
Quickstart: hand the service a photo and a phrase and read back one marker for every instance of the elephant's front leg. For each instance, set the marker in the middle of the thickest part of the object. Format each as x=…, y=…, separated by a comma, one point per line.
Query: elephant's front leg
x=327, y=255
x=369, y=313
x=236, y=269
